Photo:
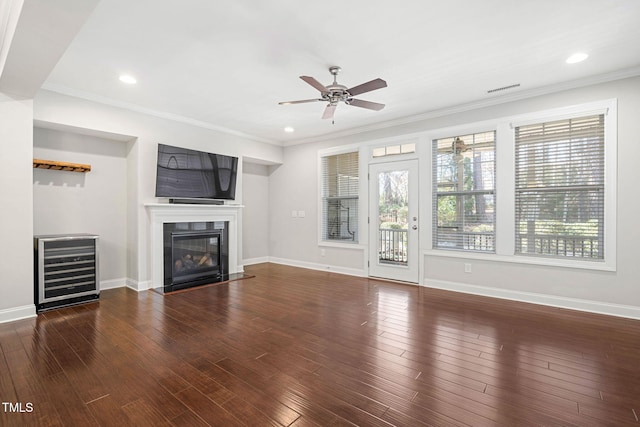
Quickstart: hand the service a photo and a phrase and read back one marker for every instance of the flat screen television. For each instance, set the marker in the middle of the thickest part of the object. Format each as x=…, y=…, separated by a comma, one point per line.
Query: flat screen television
x=183, y=173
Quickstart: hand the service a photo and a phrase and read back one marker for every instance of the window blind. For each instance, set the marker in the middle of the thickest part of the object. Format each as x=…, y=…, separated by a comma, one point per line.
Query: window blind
x=464, y=192
x=340, y=205
x=559, y=180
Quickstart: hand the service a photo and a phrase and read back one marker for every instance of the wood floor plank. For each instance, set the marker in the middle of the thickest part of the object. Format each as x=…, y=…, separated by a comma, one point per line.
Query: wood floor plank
x=296, y=347
x=107, y=411
x=68, y=404
x=242, y=386
x=207, y=409
x=141, y=412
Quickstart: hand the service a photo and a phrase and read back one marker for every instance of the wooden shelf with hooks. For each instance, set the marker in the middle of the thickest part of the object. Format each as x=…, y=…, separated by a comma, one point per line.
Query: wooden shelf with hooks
x=63, y=166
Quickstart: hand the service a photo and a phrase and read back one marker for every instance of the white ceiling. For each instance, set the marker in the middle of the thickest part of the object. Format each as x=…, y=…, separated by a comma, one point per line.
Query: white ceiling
x=227, y=63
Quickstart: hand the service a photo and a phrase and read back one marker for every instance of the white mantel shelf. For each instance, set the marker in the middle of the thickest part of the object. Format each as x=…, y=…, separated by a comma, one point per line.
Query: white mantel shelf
x=183, y=206
x=161, y=213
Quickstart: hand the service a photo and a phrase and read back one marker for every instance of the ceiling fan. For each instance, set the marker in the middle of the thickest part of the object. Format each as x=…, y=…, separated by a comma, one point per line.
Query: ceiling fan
x=458, y=147
x=335, y=93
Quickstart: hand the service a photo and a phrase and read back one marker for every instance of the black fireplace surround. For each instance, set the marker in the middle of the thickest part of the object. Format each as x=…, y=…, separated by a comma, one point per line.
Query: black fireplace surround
x=195, y=253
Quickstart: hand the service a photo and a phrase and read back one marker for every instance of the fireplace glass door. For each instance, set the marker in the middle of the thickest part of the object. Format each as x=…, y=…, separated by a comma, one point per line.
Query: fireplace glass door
x=195, y=255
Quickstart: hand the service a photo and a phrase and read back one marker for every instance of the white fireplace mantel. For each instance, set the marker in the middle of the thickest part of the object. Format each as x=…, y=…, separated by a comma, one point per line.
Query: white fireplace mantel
x=160, y=213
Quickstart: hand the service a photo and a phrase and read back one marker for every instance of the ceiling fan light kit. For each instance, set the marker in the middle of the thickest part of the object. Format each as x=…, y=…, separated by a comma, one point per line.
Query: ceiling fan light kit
x=336, y=93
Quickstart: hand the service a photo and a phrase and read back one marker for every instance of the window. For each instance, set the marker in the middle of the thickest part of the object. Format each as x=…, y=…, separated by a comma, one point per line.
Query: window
x=340, y=187
x=464, y=192
x=391, y=150
x=559, y=197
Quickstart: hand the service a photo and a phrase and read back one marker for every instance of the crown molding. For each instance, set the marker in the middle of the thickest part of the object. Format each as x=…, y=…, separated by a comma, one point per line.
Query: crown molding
x=64, y=90
x=474, y=105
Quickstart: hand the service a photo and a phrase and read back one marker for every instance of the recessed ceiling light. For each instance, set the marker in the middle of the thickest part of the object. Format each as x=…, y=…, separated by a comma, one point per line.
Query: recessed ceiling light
x=130, y=80
x=576, y=57
x=289, y=129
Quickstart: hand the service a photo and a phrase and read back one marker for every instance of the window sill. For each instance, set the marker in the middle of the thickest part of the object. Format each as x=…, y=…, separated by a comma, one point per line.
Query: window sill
x=342, y=245
x=521, y=259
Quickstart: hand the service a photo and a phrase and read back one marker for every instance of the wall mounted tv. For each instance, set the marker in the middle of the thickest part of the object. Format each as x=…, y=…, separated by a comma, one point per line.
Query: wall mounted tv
x=190, y=174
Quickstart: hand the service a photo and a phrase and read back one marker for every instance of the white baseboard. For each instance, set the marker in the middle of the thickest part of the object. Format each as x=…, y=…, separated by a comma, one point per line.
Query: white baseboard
x=138, y=286
x=321, y=267
x=610, y=309
x=258, y=260
x=113, y=283
x=17, y=313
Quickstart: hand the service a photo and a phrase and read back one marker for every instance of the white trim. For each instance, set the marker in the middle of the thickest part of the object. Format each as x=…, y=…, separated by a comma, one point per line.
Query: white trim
x=505, y=185
x=563, y=113
x=258, y=260
x=411, y=271
x=138, y=286
x=451, y=132
x=341, y=149
x=113, y=283
x=611, y=184
x=320, y=267
x=64, y=90
x=463, y=129
x=522, y=259
x=540, y=299
x=390, y=158
x=337, y=244
x=505, y=220
x=160, y=213
x=17, y=313
x=609, y=108
x=335, y=151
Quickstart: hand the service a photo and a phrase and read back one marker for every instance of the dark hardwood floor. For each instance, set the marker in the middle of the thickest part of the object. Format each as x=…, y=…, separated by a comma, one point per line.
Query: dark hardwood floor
x=300, y=347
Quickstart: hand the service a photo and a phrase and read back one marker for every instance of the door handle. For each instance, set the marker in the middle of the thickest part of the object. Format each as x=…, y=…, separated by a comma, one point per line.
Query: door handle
x=415, y=227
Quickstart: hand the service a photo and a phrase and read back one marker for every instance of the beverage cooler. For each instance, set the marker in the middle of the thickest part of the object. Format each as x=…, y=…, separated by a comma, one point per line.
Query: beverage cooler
x=66, y=270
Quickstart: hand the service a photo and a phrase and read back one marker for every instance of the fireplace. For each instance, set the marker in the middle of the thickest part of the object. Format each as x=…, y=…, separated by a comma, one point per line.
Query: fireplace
x=205, y=219
x=195, y=253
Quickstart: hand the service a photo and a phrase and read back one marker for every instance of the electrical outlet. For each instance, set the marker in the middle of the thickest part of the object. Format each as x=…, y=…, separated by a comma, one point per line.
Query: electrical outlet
x=467, y=267
x=294, y=214
x=302, y=214
x=322, y=252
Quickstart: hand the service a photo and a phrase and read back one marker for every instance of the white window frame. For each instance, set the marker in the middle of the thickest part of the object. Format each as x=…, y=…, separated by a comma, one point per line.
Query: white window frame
x=435, y=193
x=505, y=185
x=362, y=173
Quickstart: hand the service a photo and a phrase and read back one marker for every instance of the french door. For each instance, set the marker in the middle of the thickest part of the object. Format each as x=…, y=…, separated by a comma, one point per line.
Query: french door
x=393, y=220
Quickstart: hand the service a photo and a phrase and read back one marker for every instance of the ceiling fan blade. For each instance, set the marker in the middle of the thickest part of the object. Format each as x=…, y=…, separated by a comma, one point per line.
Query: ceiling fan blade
x=329, y=111
x=302, y=101
x=366, y=104
x=313, y=82
x=367, y=87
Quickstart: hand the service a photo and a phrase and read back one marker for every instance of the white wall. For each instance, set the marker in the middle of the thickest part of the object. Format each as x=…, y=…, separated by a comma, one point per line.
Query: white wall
x=145, y=132
x=294, y=184
x=255, y=215
x=94, y=202
x=293, y=240
x=16, y=213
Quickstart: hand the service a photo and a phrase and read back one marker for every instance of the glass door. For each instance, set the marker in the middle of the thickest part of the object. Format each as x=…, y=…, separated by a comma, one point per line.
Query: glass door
x=393, y=220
